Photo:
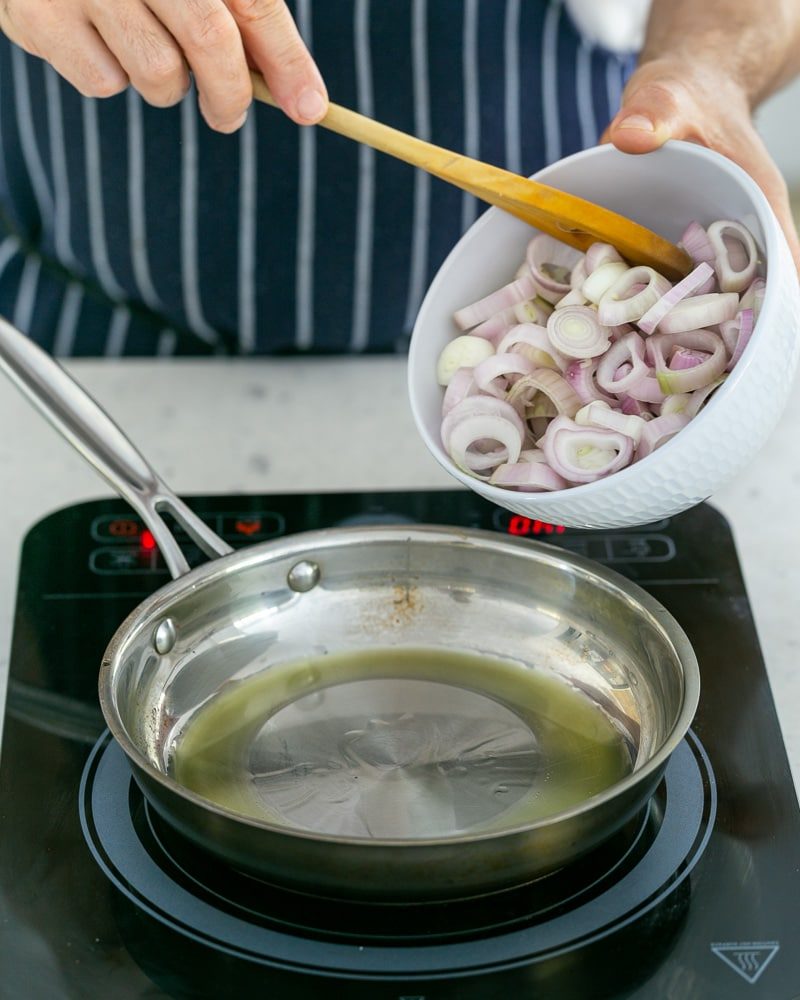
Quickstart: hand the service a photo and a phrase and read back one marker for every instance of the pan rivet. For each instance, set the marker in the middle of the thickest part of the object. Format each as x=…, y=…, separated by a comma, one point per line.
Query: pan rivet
x=303, y=576
x=164, y=636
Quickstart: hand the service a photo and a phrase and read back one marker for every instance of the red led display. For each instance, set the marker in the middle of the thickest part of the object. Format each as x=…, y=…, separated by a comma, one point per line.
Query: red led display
x=519, y=525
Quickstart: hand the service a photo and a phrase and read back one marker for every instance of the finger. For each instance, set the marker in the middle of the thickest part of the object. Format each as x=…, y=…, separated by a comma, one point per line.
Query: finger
x=144, y=48
x=212, y=45
x=84, y=60
x=18, y=30
x=71, y=45
x=274, y=44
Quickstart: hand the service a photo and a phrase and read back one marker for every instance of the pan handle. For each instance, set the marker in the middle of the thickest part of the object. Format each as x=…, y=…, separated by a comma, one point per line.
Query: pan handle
x=89, y=429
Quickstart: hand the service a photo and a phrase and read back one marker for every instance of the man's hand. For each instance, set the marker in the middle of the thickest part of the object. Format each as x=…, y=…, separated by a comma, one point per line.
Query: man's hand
x=664, y=100
x=703, y=69
x=102, y=46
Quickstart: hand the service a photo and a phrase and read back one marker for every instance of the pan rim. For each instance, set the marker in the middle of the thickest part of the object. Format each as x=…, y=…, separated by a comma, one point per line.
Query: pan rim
x=299, y=544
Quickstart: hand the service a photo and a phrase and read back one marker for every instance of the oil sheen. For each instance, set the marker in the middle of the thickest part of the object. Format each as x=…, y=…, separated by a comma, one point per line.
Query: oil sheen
x=400, y=743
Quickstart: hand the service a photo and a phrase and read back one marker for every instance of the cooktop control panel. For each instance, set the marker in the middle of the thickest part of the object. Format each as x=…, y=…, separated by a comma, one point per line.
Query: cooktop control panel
x=119, y=545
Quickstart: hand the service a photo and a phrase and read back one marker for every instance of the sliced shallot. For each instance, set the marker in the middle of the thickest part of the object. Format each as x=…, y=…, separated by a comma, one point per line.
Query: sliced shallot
x=754, y=297
x=689, y=404
x=678, y=402
x=534, y=477
x=700, y=311
x=545, y=383
x=600, y=414
x=573, y=298
x=601, y=279
x=689, y=285
x=484, y=456
x=696, y=243
x=480, y=419
x=646, y=389
x=579, y=274
x=531, y=340
x=687, y=379
x=599, y=254
x=736, y=257
x=461, y=385
x=480, y=405
x=622, y=304
x=628, y=349
x=699, y=397
x=614, y=363
x=658, y=431
x=577, y=333
x=739, y=337
x=504, y=298
x=635, y=407
x=684, y=357
x=581, y=376
x=529, y=311
x=551, y=264
x=462, y=352
x=585, y=454
x=491, y=375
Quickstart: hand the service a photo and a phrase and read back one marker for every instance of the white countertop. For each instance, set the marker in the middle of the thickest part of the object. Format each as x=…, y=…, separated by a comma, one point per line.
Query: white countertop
x=288, y=425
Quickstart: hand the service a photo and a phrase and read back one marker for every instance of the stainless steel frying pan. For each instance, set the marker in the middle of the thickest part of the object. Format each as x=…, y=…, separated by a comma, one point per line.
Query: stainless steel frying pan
x=353, y=774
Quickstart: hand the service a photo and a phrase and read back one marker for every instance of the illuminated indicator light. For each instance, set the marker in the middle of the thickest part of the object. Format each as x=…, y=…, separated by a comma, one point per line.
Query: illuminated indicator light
x=147, y=541
x=519, y=525
x=249, y=527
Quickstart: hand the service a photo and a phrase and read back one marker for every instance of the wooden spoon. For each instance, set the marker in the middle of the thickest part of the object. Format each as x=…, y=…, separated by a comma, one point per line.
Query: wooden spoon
x=570, y=219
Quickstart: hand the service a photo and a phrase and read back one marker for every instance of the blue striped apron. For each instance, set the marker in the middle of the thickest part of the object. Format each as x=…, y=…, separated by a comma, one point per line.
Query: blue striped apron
x=131, y=230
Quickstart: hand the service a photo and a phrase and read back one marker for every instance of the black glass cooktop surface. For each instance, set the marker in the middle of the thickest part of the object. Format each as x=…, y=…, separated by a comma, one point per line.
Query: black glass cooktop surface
x=697, y=897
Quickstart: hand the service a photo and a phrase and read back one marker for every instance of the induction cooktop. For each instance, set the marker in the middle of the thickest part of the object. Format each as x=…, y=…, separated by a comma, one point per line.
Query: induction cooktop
x=698, y=897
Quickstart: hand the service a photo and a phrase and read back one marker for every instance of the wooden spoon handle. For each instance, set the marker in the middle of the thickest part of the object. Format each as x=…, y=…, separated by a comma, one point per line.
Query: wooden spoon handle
x=570, y=219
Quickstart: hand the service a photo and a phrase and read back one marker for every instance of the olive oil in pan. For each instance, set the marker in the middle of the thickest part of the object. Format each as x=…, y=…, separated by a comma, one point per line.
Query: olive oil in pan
x=400, y=743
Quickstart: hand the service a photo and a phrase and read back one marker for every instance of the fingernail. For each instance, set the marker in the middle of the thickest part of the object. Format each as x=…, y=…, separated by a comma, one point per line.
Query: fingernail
x=310, y=105
x=637, y=122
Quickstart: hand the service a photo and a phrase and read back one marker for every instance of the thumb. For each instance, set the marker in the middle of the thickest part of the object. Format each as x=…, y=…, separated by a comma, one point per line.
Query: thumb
x=650, y=114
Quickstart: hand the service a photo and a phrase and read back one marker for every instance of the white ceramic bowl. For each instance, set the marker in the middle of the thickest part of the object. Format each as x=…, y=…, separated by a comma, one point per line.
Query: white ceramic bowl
x=664, y=190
